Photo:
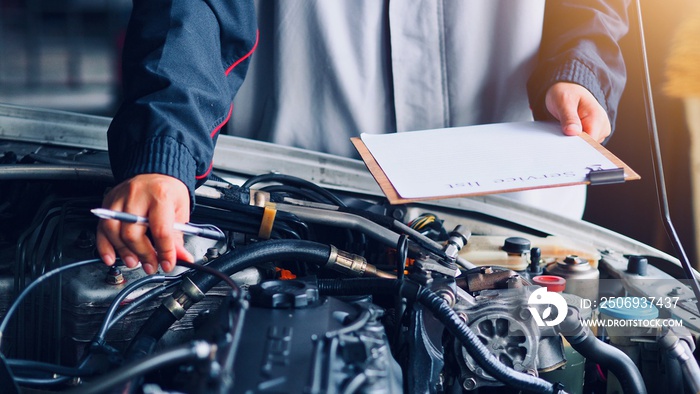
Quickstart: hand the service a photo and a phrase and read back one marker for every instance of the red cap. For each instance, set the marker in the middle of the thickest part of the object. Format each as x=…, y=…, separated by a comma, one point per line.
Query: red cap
x=552, y=283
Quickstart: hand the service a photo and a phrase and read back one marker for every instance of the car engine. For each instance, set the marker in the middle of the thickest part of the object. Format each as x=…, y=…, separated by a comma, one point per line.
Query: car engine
x=321, y=286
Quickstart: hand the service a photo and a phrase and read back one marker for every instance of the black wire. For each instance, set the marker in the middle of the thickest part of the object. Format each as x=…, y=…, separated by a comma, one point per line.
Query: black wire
x=214, y=272
x=106, y=322
x=140, y=301
x=59, y=379
x=297, y=192
x=400, y=303
x=291, y=180
x=33, y=366
x=194, y=351
x=246, y=218
x=401, y=255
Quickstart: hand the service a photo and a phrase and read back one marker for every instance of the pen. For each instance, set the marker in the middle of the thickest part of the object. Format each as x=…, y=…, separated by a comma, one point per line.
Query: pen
x=185, y=228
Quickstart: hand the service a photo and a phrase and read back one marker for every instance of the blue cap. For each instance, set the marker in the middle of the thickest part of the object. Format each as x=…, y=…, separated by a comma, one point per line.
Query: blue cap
x=629, y=308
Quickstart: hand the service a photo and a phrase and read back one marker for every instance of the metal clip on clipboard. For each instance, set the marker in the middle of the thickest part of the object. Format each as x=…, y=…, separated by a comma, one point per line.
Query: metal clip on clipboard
x=599, y=176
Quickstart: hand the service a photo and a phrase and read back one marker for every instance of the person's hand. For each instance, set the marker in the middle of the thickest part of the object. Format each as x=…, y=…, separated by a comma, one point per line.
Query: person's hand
x=577, y=110
x=162, y=199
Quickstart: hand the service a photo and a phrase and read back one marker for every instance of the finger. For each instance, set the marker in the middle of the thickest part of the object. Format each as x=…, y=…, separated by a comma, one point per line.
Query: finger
x=596, y=123
x=569, y=117
x=182, y=215
x=571, y=127
x=109, y=240
x=104, y=247
x=562, y=101
x=161, y=219
x=107, y=233
x=128, y=257
x=597, y=128
x=137, y=247
x=183, y=254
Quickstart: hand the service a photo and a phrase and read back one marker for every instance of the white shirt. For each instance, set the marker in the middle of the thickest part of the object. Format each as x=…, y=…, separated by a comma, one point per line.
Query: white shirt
x=326, y=71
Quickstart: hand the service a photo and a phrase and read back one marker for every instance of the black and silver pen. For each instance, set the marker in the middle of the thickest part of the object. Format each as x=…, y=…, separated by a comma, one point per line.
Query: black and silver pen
x=186, y=228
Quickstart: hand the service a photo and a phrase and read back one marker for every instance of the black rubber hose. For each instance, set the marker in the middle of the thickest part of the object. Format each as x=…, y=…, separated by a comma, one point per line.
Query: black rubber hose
x=263, y=252
x=239, y=259
x=674, y=374
x=608, y=356
x=615, y=360
x=292, y=180
x=456, y=326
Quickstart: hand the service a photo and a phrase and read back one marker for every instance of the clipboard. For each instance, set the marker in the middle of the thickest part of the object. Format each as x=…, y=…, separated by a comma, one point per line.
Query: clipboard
x=615, y=170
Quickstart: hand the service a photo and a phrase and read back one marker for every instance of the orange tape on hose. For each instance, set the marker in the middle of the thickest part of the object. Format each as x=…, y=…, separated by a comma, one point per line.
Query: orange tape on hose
x=268, y=219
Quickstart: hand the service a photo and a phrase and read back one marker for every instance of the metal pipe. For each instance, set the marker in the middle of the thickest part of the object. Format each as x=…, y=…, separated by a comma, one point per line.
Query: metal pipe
x=55, y=172
x=343, y=220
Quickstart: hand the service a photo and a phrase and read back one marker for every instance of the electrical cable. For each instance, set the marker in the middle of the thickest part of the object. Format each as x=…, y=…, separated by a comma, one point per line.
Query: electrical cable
x=400, y=302
x=246, y=218
x=291, y=180
x=41, y=383
x=121, y=296
x=198, y=350
x=58, y=378
x=34, y=284
x=155, y=292
x=297, y=192
x=213, y=272
x=34, y=366
x=401, y=256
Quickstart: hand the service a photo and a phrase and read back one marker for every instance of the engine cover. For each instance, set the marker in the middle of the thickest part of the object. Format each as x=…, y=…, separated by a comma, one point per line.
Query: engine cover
x=291, y=340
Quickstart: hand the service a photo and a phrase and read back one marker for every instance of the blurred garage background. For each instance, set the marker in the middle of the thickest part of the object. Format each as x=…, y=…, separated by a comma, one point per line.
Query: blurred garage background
x=64, y=54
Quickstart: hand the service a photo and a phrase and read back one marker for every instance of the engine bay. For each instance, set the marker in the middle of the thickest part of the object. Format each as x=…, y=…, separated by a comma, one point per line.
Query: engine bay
x=321, y=286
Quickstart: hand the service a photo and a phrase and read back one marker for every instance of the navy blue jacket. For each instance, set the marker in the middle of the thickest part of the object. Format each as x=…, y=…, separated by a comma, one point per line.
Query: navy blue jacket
x=183, y=62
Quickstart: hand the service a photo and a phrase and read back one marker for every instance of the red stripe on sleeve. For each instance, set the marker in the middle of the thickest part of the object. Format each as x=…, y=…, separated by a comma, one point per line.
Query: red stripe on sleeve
x=222, y=124
x=230, y=111
x=247, y=55
x=206, y=173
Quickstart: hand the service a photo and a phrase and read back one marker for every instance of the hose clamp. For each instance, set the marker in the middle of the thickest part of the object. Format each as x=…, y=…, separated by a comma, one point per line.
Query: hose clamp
x=183, y=298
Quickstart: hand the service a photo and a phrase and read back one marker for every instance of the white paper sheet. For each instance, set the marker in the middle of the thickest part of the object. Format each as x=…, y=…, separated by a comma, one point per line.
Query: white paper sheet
x=483, y=159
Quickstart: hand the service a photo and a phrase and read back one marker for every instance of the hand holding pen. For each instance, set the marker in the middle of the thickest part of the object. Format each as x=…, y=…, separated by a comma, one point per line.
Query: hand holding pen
x=185, y=228
x=164, y=201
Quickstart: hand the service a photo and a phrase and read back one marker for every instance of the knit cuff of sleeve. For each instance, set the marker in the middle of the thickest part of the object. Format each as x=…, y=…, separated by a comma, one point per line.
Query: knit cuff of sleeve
x=162, y=155
x=574, y=71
